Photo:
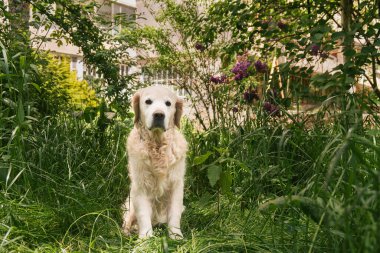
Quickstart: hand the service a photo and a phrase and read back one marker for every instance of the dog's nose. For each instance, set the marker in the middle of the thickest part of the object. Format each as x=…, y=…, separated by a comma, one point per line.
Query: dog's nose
x=158, y=116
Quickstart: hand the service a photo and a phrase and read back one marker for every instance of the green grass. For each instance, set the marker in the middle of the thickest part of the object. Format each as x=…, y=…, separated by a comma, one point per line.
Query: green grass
x=66, y=192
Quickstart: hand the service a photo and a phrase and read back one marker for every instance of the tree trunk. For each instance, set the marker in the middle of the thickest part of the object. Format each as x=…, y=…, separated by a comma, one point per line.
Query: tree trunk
x=351, y=116
x=346, y=6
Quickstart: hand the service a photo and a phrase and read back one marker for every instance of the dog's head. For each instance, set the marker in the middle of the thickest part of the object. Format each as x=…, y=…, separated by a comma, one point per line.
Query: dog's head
x=157, y=107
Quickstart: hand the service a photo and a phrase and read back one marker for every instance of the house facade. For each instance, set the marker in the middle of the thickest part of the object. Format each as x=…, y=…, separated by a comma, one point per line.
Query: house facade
x=108, y=10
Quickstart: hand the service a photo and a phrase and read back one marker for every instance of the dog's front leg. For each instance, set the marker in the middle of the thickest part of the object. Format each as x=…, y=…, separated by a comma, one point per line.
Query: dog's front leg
x=143, y=212
x=175, y=210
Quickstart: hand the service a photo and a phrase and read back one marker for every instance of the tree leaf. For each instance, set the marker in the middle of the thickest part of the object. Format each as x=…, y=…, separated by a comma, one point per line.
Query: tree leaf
x=349, y=52
x=337, y=35
x=317, y=37
x=202, y=158
x=213, y=174
x=226, y=182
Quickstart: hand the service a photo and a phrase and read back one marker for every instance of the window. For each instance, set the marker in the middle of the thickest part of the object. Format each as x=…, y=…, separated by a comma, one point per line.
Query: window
x=91, y=71
x=73, y=64
x=163, y=77
x=123, y=70
x=105, y=12
x=121, y=15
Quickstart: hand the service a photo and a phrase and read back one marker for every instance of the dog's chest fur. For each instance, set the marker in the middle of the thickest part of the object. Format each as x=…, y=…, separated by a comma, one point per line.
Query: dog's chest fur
x=156, y=170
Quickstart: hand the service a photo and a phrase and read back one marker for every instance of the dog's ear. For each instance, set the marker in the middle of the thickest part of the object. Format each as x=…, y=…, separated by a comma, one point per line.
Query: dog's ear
x=136, y=106
x=178, y=112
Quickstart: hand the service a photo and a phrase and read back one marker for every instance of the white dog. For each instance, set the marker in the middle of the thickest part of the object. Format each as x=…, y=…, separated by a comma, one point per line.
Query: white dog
x=156, y=157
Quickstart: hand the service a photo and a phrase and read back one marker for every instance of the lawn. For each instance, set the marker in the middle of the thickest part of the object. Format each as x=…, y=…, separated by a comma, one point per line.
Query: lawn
x=281, y=189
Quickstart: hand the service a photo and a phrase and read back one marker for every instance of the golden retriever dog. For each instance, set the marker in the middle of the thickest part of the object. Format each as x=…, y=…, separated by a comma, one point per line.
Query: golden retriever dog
x=156, y=163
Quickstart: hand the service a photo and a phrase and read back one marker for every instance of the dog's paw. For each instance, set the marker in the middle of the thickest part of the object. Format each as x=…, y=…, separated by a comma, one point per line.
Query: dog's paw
x=175, y=234
x=145, y=235
x=126, y=231
x=126, y=228
x=129, y=230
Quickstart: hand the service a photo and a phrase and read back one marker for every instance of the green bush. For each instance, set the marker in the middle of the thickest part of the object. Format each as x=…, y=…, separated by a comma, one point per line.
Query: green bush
x=60, y=90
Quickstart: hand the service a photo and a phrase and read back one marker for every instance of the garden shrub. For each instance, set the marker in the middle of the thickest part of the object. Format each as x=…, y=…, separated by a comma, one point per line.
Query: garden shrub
x=60, y=89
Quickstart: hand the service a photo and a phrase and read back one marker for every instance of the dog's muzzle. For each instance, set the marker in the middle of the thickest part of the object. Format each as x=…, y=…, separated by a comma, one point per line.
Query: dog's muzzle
x=158, y=120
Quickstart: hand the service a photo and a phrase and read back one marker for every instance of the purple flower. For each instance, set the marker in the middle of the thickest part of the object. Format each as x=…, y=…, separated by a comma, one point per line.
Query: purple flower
x=200, y=47
x=250, y=95
x=271, y=109
x=218, y=79
x=214, y=79
x=241, y=67
x=238, y=77
x=261, y=67
x=235, y=109
x=241, y=70
x=314, y=49
x=281, y=25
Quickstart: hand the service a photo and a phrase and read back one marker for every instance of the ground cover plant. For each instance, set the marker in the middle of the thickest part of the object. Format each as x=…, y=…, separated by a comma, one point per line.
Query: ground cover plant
x=263, y=174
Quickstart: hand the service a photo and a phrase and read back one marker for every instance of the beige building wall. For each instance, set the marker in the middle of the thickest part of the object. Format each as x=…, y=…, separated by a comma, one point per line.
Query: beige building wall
x=107, y=9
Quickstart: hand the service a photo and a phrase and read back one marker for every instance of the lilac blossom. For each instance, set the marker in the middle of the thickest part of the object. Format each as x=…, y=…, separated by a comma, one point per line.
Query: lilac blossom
x=271, y=109
x=314, y=49
x=238, y=77
x=241, y=70
x=250, y=95
x=261, y=67
x=281, y=25
x=199, y=46
x=218, y=79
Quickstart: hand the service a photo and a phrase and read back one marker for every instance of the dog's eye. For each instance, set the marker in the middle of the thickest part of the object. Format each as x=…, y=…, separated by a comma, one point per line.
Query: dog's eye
x=148, y=102
x=167, y=103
